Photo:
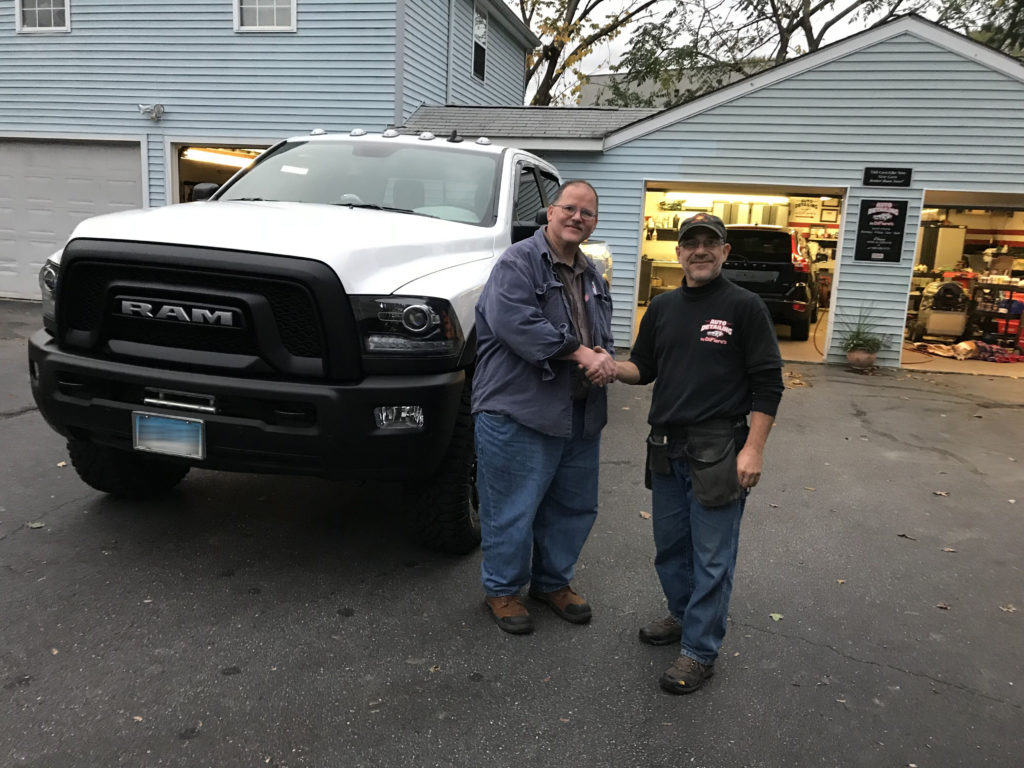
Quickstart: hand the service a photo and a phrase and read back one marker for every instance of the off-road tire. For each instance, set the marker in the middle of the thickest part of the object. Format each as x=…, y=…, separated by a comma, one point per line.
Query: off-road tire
x=799, y=330
x=445, y=509
x=124, y=473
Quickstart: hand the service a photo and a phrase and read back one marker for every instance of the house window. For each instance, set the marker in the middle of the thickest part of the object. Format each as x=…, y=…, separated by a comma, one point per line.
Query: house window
x=479, y=42
x=42, y=16
x=264, y=15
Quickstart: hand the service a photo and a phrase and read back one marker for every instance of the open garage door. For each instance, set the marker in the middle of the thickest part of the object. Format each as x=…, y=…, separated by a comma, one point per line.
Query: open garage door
x=48, y=187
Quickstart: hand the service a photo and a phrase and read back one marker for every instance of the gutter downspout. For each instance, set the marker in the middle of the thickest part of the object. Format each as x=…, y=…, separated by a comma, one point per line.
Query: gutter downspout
x=451, y=53
x=400, y=20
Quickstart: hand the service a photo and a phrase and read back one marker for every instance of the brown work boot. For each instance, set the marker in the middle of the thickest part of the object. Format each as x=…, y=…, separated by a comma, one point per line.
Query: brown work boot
x=510, y=614
x=566, y=603
x=685, y=675
x=661, y=631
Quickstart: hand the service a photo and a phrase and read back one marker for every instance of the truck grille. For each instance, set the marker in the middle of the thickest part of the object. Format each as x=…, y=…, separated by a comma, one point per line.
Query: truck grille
x=87, y=298
x=279, y=308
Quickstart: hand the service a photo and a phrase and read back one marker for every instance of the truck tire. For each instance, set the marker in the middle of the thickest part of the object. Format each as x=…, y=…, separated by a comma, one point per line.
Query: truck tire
x=446, y=510
x=124, y=473
x=799, y=330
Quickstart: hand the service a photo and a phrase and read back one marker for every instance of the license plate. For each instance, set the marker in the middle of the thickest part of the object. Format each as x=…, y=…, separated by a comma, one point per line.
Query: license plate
x=752, y=276
x=169, y=435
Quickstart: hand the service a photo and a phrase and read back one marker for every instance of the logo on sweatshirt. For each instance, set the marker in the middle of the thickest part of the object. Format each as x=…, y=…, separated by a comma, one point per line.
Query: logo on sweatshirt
x=716, y=331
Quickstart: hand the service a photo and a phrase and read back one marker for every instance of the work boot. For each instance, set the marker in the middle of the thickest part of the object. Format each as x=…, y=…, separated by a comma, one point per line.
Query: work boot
x=566, y=603
x=686, y=675
x=661, y=631
x=510, y=614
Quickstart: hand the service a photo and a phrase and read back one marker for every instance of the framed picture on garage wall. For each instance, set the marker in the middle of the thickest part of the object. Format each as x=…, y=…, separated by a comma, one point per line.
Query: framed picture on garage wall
x=804, y=209
x=830, y=202
x=829, y=215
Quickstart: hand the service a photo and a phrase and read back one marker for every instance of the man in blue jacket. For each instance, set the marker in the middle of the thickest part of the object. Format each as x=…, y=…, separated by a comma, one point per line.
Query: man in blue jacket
x=540, y=403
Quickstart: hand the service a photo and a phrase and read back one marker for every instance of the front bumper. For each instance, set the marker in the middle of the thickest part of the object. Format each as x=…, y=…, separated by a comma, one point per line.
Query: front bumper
x=261, y=425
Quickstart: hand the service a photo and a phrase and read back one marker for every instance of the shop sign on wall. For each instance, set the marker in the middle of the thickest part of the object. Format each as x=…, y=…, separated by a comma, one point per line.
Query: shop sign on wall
x=880, y=230
x=804, y=209
x=887, y=177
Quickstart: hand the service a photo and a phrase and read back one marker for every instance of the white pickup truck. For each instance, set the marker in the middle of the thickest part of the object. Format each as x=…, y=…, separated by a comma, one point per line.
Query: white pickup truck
x=314, y=316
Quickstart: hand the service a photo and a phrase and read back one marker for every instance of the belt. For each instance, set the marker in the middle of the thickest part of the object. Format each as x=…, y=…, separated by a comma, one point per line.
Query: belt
x=663, y=432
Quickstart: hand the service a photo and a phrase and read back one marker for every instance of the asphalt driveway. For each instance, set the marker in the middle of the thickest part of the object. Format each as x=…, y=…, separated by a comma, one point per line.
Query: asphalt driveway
x=877, y=615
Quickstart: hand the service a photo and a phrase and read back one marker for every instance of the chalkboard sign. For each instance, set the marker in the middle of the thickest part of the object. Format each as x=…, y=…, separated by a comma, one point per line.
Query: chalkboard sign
x=880, y=230
x=887, y=177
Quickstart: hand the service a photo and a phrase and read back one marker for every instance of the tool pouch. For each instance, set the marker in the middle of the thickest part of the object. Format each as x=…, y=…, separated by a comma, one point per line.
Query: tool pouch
x=657, y=457
x=711, y=458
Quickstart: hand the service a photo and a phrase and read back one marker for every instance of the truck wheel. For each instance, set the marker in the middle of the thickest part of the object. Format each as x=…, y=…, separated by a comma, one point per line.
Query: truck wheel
x=799, y=330
x=124, y=473
x=446, y=513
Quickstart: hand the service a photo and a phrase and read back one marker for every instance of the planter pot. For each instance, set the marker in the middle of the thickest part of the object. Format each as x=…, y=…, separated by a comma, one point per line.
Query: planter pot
x=861, y=359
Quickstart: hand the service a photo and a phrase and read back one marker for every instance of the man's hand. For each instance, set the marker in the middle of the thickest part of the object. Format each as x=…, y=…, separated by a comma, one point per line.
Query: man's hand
x=748, y=466
x=596, y=363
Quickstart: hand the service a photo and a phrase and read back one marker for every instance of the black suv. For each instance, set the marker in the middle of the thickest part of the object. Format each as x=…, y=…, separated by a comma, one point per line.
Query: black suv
x=773, y=263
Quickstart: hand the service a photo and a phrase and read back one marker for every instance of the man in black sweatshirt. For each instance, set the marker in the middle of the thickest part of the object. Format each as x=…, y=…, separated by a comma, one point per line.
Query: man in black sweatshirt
x=710, y=349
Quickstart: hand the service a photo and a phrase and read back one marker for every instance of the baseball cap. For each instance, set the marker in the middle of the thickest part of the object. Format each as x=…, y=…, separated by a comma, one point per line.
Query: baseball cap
x=705, y=220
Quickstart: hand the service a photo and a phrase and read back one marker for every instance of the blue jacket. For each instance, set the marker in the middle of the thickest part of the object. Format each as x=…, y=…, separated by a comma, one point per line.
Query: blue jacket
x=523, y=327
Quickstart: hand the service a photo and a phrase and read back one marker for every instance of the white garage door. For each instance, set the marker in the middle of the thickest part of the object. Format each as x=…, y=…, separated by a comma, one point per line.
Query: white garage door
x=46, y=188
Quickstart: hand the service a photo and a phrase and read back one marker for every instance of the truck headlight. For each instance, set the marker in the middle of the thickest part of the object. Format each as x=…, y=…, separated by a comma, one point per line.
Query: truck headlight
x=49, y=276
x=407, y=325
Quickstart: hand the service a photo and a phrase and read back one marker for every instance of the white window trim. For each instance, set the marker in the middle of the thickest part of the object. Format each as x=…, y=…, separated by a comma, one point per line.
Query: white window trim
x=236, y=7
x=479, y=10
x=23, y=30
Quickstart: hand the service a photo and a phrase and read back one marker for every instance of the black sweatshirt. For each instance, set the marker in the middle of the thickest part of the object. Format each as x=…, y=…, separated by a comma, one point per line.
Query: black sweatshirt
x=711, y=352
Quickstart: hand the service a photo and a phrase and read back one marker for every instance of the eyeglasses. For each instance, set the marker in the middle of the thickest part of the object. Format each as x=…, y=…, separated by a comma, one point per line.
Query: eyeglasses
x=692, y=243
x=585, y=213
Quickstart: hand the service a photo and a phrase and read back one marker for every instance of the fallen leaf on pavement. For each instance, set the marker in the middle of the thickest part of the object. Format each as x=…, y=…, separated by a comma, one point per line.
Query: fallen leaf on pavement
x=645, y=514
x=54, y=651
x=137, y=719
x=840, y=581
x=776, y=616
x=905, y=536
x=36, y=524
x=1008, y=608
x=62, y=464
x=943, y=606
x=774, y=506
x=563, y=719
x=809, y=488
x=941, y=493
x=436, y=668
x=948, y=549
x=1012, y=501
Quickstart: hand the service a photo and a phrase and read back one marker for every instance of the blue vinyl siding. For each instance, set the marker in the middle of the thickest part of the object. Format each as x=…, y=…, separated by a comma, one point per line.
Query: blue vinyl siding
x=426, y=60
x=336, y=71
x=506, y=60
x=905, y=101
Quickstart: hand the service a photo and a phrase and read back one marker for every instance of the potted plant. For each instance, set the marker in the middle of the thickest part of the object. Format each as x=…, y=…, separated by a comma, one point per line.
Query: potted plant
x=861, y=344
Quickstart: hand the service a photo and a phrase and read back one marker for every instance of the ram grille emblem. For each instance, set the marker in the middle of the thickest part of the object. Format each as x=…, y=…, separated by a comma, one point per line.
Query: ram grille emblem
x=192, y=314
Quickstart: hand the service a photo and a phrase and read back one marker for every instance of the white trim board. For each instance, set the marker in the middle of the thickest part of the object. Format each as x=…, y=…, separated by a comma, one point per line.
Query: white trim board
x=914, y=25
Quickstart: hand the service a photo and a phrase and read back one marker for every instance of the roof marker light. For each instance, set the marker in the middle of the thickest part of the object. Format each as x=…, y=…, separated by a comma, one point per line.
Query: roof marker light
x=427, y=136
x=357, y=132
x=483, y=140
x=390, y=133
x=317, y=132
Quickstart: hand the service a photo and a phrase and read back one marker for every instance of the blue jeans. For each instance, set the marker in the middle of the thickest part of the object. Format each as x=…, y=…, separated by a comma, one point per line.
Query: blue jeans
x=538, y=502
x=695, y=559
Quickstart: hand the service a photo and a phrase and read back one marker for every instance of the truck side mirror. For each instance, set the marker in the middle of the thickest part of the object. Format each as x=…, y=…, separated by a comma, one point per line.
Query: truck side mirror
x=524, y=229
x=204, y=191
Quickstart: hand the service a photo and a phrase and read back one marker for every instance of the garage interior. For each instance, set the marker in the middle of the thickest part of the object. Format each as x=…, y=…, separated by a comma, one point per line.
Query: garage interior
x=201, y=163
x=967, y=292
x=813, y=214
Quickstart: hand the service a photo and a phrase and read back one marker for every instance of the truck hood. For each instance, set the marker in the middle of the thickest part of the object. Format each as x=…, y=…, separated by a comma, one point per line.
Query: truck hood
x=371, y=251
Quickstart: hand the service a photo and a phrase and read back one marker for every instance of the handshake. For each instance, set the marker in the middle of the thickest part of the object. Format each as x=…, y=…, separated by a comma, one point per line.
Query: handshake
x=598, y=365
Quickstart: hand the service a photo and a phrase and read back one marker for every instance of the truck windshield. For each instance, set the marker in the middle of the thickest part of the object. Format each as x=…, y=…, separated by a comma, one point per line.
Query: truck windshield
x=411, y=178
